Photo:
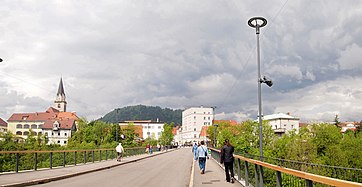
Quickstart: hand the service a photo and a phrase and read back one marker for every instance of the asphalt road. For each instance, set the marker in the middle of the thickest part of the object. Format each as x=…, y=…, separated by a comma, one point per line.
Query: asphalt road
x=171, y=170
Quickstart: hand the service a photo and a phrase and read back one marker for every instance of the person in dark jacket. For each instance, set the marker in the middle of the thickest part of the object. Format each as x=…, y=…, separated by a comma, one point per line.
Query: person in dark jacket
x=227, y=159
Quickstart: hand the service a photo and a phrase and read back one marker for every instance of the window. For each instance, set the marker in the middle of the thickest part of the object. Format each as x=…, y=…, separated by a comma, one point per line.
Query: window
x=40, y=126
x=19, y=133
x=65, y=142
x=148, y=133
x=52, y=133
x=59, y=141
x=33, y=133
x=58, y=133
x=26, y=133
x=194, y=117
x=65, y=134
x=204, y=118
x=46, y=133
x=39, y=133
x=292, y=126
x=145, y=127
x=19, y=126
x=194, y=135
x=33, y=126
x=159, y=133
x=194, y=129
x=208, y=118
x=58, y=107
x=159, y=127
x=26, y=126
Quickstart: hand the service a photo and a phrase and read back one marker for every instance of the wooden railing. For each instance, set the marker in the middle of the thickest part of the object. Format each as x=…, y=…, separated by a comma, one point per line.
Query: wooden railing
x=257, y=173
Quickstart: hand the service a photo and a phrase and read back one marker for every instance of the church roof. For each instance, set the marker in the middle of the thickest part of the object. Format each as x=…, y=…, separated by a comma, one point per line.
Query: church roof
x=49, y=114
x=61, y=88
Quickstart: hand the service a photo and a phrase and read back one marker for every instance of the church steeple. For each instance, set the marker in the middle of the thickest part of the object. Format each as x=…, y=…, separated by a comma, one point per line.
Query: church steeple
x=60, y=103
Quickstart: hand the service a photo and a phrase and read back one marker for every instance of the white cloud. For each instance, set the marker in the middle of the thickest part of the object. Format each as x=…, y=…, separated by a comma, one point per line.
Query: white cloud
x=350, y=58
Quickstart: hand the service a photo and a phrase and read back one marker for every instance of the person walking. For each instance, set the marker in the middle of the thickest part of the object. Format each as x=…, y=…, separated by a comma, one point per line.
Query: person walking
x=227, y=158
x=194, y=150
x=120, y=151
x=202, y=154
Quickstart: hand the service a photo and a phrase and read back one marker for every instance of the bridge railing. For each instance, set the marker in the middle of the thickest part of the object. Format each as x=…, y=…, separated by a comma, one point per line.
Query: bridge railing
x=253, y=172
x=15, y=161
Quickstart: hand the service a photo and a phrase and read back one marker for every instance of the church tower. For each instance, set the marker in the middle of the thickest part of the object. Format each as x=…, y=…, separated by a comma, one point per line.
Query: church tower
x=60, y=103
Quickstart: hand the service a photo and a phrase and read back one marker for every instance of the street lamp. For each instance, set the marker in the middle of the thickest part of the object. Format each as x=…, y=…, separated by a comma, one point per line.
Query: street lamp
x=1, y=59
x=257, y=23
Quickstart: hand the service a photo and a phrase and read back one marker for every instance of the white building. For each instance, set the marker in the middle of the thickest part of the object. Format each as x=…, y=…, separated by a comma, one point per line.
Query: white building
x=282, y=123
x=3, y=126
x=58, y=131
x=193, y=119
x=150, y=129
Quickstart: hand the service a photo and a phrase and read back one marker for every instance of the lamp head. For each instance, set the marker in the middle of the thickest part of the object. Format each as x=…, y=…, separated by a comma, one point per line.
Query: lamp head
x=267, y=81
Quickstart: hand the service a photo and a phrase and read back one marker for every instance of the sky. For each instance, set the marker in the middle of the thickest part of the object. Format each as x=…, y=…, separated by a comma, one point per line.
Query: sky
x=182, y=53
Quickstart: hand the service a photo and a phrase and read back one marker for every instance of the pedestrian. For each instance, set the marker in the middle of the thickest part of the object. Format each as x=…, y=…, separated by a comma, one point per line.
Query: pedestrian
x=147, y=148
x=150, y=149
x=227, y=158
x=158, y=147
x=194, y=150
x=202, y=154
x=120, y=151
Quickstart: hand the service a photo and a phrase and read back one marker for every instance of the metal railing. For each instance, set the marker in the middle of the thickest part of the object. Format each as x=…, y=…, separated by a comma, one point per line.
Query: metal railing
x=255, y=173
x=15, y=161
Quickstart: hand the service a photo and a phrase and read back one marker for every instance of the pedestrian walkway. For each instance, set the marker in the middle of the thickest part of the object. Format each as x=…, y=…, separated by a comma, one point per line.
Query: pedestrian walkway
x=214, y=175
x=26, y=178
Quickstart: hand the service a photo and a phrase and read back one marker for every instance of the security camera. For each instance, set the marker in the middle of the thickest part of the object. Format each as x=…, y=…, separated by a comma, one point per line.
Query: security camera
x=267, y=81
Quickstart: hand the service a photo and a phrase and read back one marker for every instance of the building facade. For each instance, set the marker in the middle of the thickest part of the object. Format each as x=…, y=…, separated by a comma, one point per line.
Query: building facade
x=282, y=123
x=3, y=126
x=193, y=119
x=150, y=129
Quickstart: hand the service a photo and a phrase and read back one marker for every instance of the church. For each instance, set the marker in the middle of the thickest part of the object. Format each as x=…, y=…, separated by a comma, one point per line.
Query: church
x=56, y=124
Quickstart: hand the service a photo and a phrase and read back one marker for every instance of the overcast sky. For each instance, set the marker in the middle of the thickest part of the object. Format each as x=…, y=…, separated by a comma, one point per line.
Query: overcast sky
x=178, y=54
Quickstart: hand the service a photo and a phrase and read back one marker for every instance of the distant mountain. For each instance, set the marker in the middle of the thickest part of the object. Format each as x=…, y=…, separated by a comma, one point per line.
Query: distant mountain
x=141, y=112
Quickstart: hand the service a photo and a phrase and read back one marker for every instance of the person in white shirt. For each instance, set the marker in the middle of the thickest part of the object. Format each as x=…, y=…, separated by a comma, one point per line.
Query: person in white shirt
x=120, y=151
x=201, y=155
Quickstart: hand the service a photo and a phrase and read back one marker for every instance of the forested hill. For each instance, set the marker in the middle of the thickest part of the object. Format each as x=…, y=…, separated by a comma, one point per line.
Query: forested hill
x=141, y=112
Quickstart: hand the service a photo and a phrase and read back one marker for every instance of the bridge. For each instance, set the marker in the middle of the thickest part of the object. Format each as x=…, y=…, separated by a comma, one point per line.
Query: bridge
x=174, y=167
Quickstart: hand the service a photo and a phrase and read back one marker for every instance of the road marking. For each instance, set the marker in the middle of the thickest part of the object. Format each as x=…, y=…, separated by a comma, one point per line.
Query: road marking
x=192, y=174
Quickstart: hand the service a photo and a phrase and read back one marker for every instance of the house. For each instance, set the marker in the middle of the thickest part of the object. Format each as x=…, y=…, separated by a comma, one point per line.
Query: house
x=282, y=123
x=348, y=126
x=59, y=130
x=3, y=126
x=145, y=128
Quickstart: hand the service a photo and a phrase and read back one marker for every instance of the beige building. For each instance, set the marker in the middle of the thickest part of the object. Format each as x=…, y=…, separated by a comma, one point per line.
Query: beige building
x=282, y=123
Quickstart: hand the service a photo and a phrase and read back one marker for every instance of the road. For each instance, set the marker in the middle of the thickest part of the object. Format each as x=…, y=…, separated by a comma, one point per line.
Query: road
x=172, y=170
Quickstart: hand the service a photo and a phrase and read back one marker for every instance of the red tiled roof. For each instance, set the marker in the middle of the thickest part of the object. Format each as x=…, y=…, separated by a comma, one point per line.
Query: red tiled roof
x=63, y=124
x=50, y=114
x=3, y=123
x=232, y=122
x=203, y=131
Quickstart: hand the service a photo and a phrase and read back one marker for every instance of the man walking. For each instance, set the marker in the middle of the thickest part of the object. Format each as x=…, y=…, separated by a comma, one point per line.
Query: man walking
x=227, y=158
x=202, y=154
x=120, y=151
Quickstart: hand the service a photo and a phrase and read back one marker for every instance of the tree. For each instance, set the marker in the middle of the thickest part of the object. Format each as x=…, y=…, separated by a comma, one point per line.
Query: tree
x=166, y=136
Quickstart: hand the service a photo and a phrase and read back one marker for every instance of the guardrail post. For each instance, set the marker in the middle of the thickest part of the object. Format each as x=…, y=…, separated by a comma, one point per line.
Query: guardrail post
x=75, y=158
x=64, y=159
x=279, y=179
x=106, y=154
x=17, y=163
x=256, y=175
x=239, y=177
x=35, y=161
x=261, y=179
x=308, y=183
x=51, y=160
x=100, y=155
x=246, y=173
x=85, y=157
x=93, y=156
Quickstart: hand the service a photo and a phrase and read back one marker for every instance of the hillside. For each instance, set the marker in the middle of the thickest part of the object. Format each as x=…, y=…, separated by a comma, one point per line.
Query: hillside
x=141, y=112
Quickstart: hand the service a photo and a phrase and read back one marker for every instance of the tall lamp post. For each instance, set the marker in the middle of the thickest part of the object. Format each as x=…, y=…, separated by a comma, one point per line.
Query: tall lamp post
x=215, y=126
x=257, y=23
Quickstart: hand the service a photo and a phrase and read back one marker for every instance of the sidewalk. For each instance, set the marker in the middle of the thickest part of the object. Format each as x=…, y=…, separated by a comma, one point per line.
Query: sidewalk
x=214, y=175
x=27, y=178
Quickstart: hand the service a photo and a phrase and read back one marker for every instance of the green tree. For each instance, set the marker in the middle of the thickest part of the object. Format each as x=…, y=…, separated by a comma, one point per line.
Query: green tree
x=166, y=136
